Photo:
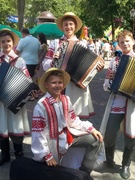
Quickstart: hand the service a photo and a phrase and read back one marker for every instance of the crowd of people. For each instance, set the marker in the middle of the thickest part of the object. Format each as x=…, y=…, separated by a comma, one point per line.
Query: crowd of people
x=58, y=117
x=102, y=47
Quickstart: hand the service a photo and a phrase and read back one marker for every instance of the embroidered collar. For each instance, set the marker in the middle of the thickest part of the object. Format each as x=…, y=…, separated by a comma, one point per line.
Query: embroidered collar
x=11, y=54
x=65, y=38
x=51, y=99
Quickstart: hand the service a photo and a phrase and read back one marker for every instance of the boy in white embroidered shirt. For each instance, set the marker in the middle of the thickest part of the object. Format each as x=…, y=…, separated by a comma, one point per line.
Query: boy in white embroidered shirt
x=120, y=109
x=55, y=126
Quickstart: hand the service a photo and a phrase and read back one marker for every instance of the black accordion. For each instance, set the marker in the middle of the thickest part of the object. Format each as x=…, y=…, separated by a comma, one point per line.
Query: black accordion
x=15, y=87
x=78, y=61
x=124, y=80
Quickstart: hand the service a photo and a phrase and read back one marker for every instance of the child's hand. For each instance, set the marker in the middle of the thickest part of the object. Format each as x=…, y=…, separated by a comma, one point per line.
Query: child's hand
x=56, y=55
x=97, y=135
x=51, y=162
x=100, y=65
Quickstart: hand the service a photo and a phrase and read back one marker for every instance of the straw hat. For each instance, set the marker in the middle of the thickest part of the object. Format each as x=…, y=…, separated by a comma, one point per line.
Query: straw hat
x=70, y=14
x=66, y=78
x=15, y=36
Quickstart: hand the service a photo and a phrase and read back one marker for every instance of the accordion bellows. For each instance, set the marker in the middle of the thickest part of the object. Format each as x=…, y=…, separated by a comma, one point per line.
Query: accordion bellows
x=124, y=80
x=15, y=87
x=78, y=61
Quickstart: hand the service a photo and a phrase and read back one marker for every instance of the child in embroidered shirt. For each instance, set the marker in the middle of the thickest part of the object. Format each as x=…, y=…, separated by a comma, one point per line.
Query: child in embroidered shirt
x=121, y=109
x=55, y=125
x=12, y=125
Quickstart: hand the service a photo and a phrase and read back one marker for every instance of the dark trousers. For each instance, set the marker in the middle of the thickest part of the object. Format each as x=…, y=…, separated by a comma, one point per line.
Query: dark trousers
x=31, y=68
x=112, y=129
x=92, y=148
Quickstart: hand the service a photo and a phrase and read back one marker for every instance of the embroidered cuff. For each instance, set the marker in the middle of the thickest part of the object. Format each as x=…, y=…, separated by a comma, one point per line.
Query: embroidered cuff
x=48, y=157
x=90, y=129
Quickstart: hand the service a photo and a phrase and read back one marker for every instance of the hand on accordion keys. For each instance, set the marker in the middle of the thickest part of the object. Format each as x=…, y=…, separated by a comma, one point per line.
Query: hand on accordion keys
x=100, y=65
x=56, y=55
x=55, y=58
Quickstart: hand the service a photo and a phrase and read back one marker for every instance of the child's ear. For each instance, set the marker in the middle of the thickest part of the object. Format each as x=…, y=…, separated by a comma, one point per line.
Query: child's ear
x=45, y=84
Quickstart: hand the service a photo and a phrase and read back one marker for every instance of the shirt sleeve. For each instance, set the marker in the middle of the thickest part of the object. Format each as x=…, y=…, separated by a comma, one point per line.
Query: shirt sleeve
x=75, y=122
x=106, y=84
x=20, y=64
x=40, y=145
x=47, y=62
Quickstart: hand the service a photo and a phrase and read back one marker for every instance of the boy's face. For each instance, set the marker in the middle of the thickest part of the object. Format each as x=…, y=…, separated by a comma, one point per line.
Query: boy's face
x=69, y=27
x=6, y=43
x=54, y=85
x=126, y=44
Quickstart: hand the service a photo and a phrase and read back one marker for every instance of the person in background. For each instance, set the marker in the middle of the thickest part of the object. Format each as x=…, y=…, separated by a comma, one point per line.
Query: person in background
x=91, y=45
x=43, y=49
x=12, y=125
x=97, y=46
x=55, y=126
x=69, y=23
x=28, y=48
x=106, y=49
x=122, y=109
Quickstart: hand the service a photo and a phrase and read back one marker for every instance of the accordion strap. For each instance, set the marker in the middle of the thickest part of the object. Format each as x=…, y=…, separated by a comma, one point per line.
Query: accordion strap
x=2, y=59
x=68, y=53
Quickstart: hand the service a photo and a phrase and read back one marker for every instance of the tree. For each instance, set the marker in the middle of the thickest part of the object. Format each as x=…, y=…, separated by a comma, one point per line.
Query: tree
x=7, y=8
x=99, y=15
x=20, y=7
x=57, y=7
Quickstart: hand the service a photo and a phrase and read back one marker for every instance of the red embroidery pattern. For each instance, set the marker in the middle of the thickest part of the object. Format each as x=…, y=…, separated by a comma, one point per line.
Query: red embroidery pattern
x=38, y=125
x=118, y=109
x=47, y=157
x=72, y=115
x=49, y=53
x=90, y=129
x=25, y=71
x=51, y=117
x=65, y=105
x=108, y=73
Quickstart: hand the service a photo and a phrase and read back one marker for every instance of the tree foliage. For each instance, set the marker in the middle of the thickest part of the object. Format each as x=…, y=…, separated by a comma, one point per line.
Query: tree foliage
x=102, y=14
x=97, y=15
x=7, y=8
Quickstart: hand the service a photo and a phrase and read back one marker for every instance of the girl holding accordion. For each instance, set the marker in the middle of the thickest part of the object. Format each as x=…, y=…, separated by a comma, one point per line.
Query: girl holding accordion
x=12, y=125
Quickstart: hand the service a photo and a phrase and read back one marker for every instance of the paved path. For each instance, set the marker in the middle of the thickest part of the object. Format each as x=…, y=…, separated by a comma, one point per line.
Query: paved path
x=99, y=98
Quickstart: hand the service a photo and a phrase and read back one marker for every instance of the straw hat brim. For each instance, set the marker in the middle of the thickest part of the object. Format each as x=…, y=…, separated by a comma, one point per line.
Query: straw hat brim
x=72, y=15
x=15, y=36
x=66, y=78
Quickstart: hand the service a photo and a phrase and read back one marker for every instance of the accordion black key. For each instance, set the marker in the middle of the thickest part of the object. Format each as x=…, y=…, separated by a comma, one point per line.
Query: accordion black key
x=124, y=80
x=78, y=61
x=15, y=87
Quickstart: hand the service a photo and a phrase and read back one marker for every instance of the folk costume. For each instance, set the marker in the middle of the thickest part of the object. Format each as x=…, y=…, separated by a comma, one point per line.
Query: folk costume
x=120, y=109
x=80, y=98
x=55, y=128
x=12, y=125
x=119, y=104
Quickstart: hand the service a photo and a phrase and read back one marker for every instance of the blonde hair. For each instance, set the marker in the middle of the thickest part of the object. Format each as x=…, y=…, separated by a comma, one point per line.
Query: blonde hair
x=124, y=33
